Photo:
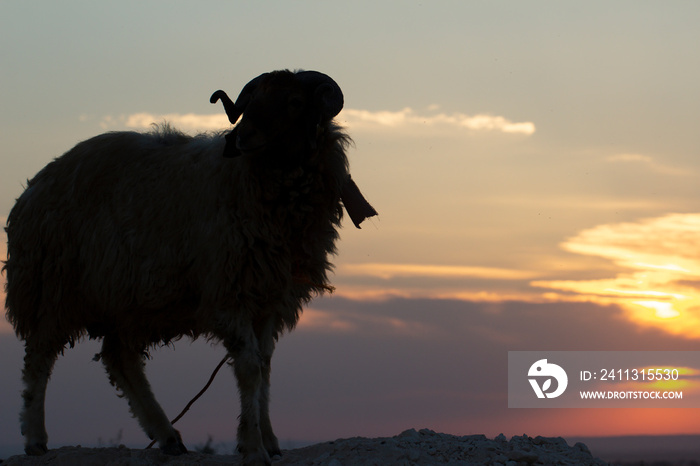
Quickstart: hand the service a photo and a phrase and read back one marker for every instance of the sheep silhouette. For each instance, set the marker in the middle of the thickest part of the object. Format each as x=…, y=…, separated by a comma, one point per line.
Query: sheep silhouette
x=142, y=238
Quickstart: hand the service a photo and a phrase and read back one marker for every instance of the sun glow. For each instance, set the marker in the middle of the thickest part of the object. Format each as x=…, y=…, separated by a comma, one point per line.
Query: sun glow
x=659, y=284
x=662, y=310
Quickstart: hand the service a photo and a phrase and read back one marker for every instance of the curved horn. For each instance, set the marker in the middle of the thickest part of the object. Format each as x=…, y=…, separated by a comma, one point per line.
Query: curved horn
x=231, y=110
x=234, y=111
x=327, y=93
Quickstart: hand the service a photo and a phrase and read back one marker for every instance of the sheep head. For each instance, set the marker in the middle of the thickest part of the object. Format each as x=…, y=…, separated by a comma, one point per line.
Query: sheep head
x=284, y=114
x=277, y=107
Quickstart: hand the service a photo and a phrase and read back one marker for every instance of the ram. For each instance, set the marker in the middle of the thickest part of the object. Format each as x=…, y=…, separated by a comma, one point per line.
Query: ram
x=142, y=238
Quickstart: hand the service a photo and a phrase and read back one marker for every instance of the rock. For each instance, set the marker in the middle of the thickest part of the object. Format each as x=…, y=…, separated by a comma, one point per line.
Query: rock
x=582, y=447
x=409, y=434
x=410, y=448
x=517, y=455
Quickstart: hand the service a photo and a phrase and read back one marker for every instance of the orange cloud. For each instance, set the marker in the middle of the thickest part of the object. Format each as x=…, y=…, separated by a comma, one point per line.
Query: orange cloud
x=388, y=271
x=660, y=258
x=381, y=281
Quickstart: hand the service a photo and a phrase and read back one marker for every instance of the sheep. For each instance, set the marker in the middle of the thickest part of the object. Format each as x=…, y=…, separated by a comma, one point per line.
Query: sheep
x=139, y=239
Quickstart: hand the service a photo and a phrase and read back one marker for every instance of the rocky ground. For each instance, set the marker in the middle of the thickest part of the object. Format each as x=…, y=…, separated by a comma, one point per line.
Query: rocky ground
x=411, y=447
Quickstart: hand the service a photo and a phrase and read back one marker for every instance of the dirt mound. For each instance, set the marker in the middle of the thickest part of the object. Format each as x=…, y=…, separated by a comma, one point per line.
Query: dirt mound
x=411, y=447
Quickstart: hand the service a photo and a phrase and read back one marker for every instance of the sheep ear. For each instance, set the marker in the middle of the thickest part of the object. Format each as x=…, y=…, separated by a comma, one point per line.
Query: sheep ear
x=355, y=203
x=230, y=149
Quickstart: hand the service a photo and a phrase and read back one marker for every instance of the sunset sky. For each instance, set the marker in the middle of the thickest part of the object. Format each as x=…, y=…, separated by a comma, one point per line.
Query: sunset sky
x=535, y=166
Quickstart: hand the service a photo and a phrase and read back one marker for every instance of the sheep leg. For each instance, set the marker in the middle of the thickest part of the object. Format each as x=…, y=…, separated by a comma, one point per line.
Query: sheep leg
x=247, y=367
x=266, y=341
x=126, y=371
x=39, y=360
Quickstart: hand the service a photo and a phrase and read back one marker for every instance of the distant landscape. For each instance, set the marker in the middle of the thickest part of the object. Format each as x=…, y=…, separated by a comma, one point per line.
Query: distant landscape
x=670, y=449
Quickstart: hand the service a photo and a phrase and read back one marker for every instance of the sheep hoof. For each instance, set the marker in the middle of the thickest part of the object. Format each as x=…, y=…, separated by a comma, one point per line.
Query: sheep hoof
x=174, y=447
x=255, y=458
x=36, y=449
x=273, y=450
